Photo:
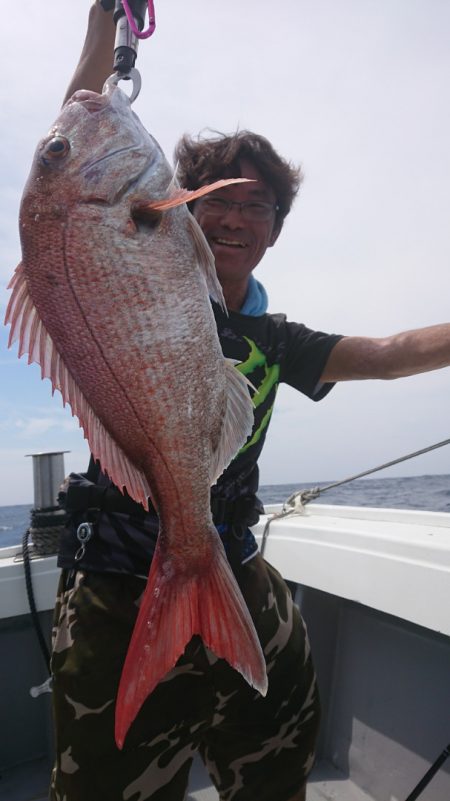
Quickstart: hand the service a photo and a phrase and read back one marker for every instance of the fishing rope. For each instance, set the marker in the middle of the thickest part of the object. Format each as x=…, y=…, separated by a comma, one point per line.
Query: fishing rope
x=151, y=18
x=31, y=601
x=45, y=528
x=296, y=502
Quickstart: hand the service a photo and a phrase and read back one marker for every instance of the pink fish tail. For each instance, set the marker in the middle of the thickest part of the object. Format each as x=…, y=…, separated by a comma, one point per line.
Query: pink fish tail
x=173, y=609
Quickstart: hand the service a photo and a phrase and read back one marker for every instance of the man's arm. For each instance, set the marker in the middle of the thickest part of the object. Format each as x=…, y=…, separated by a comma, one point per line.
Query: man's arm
x=97, y=56
x=408, y=353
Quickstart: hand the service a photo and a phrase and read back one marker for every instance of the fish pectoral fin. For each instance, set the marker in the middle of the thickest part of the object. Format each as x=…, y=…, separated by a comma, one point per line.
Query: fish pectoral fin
x=178, y=196
x=173, y=609
x=34, y=339
x=237, y=421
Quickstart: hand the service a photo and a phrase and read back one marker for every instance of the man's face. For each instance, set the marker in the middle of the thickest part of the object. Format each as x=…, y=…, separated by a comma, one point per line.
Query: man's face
x=239, y=244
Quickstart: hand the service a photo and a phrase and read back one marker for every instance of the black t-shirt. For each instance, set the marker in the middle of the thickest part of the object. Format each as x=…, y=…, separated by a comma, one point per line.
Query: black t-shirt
x=270, y=350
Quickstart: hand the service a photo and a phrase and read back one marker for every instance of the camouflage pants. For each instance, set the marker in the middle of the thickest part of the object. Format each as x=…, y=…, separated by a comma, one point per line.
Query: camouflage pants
x=255, y=749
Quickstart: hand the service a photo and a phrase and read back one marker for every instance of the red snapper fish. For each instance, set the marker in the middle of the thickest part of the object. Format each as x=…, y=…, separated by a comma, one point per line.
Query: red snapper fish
x=112, y=299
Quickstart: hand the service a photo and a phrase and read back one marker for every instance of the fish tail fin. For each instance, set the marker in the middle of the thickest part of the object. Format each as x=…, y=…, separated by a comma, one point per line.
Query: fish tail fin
x=172, y=610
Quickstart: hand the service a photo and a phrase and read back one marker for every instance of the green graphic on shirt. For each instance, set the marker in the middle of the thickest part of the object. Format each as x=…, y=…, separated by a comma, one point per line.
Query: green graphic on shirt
x=271, y=377
x=271, y=374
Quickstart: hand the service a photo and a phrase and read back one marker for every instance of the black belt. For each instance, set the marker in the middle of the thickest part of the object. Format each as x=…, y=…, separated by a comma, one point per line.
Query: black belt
x=242, y=511
x=107, y=499
x=82, y=495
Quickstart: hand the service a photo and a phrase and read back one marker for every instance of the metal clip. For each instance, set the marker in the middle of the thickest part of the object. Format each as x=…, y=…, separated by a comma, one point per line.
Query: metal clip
x=84, y=533
x=132, y=75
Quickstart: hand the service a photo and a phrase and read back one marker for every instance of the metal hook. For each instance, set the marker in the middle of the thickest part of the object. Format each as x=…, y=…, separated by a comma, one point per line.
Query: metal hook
x=132, y=75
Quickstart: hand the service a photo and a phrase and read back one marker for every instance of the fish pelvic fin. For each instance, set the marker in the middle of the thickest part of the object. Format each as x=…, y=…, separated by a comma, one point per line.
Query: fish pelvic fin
x=237, y=421
x=28, y=329
x=205, y=260
x=173, y=609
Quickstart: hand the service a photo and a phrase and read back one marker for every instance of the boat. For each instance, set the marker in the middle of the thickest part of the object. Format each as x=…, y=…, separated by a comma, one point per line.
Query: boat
x=374, y=588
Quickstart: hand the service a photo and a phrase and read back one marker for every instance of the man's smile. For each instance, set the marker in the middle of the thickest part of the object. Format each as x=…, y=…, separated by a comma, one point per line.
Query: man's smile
x=233, y=243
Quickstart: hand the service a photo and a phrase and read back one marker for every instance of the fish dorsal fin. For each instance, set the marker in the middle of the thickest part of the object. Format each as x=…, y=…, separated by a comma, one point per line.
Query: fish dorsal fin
x=34, y=339
x=238, y=420
x=206, y=263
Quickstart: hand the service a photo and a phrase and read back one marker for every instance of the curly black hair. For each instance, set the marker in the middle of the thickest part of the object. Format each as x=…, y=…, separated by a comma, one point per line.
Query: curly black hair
x=204, y=159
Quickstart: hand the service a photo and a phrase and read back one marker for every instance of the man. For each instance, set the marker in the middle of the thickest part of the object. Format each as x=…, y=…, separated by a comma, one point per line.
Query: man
x=253, y=747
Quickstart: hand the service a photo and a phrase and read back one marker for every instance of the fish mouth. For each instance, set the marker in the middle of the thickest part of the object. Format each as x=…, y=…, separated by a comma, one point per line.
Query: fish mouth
x=230, y=243
x=90, y=101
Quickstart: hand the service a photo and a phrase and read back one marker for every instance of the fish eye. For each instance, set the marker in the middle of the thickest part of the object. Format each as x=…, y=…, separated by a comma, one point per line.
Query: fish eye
x=56, y=149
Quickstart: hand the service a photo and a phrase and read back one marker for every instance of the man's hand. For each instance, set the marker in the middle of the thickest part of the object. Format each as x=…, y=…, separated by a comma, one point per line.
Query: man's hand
x=97, y=56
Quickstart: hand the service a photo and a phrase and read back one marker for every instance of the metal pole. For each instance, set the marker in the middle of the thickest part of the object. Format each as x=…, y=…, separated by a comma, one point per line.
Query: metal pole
x=429, y=774
x=126, y=43
x=48, y=475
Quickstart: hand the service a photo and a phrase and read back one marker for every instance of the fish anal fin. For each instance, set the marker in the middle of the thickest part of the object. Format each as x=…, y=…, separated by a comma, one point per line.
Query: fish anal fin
x=34, y=339
x=237, y=421
x=173, y=609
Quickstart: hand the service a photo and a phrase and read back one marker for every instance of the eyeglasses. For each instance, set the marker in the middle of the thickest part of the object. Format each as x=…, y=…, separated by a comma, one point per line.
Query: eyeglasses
x=251, y=210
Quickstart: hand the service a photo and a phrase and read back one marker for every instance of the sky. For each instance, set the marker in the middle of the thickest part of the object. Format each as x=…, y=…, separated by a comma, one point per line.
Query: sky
x=356, y=92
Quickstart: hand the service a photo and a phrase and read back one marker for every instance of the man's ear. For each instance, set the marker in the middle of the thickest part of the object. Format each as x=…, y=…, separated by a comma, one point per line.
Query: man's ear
x=275, y=233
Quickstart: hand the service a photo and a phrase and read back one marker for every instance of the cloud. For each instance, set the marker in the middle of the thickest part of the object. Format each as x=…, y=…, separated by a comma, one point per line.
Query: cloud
x=38, y=426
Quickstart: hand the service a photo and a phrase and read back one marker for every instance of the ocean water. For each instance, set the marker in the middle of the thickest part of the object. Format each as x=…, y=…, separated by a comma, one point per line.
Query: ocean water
x=417, y=492
x=413, y=492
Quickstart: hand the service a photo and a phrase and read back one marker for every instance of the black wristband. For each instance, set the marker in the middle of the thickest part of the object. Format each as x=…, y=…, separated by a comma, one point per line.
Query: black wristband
x=107, y=5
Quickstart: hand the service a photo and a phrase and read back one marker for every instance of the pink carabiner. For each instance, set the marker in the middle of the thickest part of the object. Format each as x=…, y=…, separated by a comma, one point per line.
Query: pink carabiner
x=151, y=19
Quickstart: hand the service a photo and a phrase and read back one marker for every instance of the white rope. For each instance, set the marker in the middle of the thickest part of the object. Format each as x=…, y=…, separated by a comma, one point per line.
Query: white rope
x=295, y=504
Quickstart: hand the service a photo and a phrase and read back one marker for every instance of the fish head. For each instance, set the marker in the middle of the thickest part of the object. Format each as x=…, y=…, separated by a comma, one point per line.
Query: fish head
x=93, y=153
